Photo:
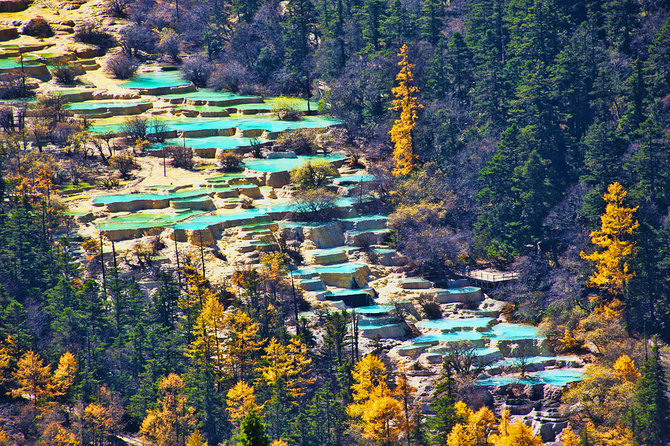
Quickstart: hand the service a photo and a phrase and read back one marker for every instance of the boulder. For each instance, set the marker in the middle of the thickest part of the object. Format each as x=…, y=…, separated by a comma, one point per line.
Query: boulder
x=277, y=179
x=328, y=235
x=13, y=5
x=9, y=33
x=37, y=27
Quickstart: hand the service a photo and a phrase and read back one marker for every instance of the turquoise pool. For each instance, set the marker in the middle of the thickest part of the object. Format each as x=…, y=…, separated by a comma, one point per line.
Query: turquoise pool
x=556, y=377
x=284, y=164
x=513, y=332
x=202, y=222
x=156, y=79
x=125, y=198
x=268, y=123
x=456, y=324
x=93, y=105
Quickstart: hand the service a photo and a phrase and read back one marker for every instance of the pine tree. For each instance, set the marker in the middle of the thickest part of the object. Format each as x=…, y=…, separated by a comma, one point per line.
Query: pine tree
x=252, y=431
x=298, y=26
x=432, y=12
x=440, y=425
x=652, y=408
x=404, y=159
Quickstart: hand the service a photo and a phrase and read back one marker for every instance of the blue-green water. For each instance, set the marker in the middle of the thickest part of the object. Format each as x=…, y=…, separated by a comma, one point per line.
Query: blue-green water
x=557, y=377
x=268, y=123
x=284, y=164
x=514, y=332
x=94, y=105
x=125, y=198
x=454, y=324
x=155, y=80
x=202, y=222
x=207, y=95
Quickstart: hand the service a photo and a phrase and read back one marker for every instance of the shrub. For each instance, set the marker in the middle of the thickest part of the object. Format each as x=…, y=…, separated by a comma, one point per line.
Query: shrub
x=64, y=73
x=230, y=76
x=197, y=69
x=123, y=162
x=13, y=86
x=312, y=174
x=169, y=44
x=37, y=27
x=121, y=66
x=180, y=156
x=135, y=128
x=134, y=39
x=90, y=32
x=156, y=130
x=117, y=8
x=299, y=141
x=231, y=162
x=315, y=205
x=287, y=109
x=7, y=122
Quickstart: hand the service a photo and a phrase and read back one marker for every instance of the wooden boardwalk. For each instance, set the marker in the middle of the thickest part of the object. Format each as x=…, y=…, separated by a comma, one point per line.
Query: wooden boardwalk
x=489, y=278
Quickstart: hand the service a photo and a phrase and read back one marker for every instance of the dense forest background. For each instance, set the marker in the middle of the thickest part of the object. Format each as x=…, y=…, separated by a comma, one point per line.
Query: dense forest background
x=531, y=109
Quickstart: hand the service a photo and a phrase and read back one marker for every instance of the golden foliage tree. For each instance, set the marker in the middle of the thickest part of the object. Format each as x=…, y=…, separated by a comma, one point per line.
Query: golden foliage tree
x=102, y=419
x=604, y=394
x=404, y=159
x=476, y=429
x=613, y=240
x=569, y=438
x=196, y=439
x=207, y=333
x=239, y=343
x=240, y=400
x=514, y=434
x=287, y=366
x=171, y=423
x=32, y=377
x=380, y=414
x=55, y=435
x=624, y=369
x=64, y=375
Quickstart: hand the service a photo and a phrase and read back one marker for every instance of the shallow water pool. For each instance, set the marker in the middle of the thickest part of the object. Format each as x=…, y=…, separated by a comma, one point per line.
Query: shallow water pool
x=156, y=79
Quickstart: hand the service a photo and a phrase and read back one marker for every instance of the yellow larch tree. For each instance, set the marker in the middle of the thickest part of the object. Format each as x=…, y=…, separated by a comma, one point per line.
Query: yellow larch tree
x=380, y=414
x=404, y=392
x=404, y=159
x=476, y=429
x=207, y=336
x=173, y=421
x=64, y=375
x=55, y=435
x=624, y=369
x=32, y=377
x=239, y=343
x=196, y=439
x=613, y=240
x=241, y=400
x=568, y=437
x=514, y=434
x=287, y=366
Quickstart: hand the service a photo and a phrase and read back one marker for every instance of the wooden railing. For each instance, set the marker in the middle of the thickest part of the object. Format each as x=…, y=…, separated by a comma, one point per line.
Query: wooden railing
x=490, y=276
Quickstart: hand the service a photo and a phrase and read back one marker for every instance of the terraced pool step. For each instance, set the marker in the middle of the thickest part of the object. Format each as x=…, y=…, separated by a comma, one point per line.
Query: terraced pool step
x=312, y=284
x=415, y=283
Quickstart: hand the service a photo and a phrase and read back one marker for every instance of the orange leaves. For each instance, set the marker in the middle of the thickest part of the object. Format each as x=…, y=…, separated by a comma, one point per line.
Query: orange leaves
x=617, y=225
x=404, y=159
x=172, y=421
x=624, y=369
